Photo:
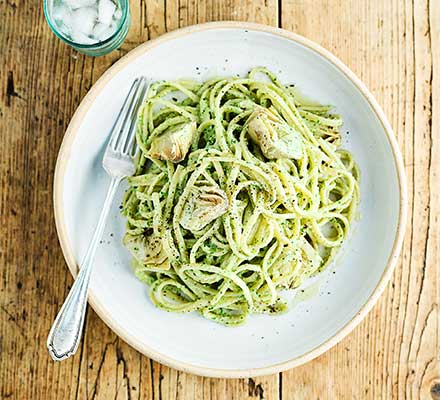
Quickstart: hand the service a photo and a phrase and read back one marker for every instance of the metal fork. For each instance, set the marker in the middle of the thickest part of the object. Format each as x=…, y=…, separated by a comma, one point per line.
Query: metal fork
x=65, y=334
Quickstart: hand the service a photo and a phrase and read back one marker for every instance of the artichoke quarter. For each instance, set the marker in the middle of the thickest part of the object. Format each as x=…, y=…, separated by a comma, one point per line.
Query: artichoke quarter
x=274, y=136
x=204, y=205
x=174, y=144
x=147, y=250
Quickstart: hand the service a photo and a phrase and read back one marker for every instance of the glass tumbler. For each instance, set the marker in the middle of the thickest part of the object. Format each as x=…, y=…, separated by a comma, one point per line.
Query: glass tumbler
x=96, y=49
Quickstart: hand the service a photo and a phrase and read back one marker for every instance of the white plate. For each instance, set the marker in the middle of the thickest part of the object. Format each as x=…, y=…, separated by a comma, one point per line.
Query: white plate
x=266, y=344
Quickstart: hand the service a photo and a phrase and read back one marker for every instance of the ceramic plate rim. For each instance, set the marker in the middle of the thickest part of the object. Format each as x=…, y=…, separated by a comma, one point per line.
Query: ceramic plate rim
x=63, y=157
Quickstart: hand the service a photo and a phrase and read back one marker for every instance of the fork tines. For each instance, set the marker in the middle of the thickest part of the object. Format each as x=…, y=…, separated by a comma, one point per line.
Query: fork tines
x=122, y=138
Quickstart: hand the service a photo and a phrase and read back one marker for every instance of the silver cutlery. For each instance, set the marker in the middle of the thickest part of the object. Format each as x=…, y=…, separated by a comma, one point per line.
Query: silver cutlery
x=118, y=162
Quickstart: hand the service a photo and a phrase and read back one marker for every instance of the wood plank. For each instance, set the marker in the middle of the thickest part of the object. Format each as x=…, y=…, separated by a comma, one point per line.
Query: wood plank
x=394, y=351
x=31, y=122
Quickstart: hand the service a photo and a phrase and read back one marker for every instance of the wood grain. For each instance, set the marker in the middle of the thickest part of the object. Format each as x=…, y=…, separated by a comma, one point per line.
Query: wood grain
x=394, y=46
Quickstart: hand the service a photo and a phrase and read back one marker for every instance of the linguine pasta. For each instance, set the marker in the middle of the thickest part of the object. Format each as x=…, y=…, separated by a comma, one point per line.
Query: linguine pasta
x=240, y=191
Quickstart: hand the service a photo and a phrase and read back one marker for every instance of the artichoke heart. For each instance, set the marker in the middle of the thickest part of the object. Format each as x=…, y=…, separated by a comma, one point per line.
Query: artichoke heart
x=147, y=250
x=205, y=204
x=274, y=136
x=174, y=143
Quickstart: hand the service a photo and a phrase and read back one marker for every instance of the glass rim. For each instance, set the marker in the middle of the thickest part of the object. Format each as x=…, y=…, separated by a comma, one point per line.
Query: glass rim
x=71, y=43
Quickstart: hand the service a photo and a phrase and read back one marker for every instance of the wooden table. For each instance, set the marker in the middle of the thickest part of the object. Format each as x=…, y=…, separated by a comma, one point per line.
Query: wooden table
x=393, y=45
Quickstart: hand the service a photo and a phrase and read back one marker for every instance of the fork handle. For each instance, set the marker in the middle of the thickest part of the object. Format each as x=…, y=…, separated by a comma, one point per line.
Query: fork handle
x=65, y=334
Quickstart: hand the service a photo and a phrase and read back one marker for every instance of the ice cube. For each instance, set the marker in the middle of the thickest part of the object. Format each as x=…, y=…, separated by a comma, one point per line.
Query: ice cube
x=117, y=15
x=99, y=29
x=106, y=9
x=106, y=33
x=81, y=38
x=84, y=19
x=74, y=4
x=59, y=12
x=63, y=18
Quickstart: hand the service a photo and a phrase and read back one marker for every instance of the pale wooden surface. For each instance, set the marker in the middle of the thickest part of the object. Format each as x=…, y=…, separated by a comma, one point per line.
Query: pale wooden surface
x=392, y=45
